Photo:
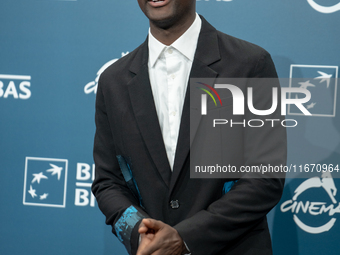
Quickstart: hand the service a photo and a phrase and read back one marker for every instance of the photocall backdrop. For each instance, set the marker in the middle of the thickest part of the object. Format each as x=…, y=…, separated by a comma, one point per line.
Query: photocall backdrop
x=51, y=55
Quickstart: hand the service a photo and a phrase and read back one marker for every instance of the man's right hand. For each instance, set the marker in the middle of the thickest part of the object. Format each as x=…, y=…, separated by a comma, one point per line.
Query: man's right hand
x=159, y=238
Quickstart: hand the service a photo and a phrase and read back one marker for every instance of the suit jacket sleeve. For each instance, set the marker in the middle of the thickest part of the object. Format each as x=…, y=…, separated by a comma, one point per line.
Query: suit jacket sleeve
x=249, y=200
x=114, y=196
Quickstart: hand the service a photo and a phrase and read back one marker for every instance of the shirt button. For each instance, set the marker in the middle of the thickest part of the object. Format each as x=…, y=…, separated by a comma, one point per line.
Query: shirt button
x=170, y=51
x=174, y=204
x=173, y=76
x=173, y=113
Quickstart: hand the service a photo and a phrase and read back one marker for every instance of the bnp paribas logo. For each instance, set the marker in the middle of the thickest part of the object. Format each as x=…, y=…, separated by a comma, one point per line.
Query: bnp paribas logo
x=321, y=81
x=45, y=182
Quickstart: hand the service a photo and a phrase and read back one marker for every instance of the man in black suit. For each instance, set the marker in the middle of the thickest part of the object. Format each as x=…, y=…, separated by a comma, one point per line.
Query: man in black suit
x=143, y=183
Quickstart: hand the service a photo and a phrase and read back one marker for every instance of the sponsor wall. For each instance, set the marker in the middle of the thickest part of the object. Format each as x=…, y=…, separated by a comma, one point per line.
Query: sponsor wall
x=51, y=55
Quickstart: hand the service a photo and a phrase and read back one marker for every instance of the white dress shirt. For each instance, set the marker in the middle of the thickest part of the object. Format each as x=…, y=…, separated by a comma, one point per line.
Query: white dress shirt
x=169, y=70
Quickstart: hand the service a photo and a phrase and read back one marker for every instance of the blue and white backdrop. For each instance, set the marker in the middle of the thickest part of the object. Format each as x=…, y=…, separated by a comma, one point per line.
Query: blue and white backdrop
x=51, y=54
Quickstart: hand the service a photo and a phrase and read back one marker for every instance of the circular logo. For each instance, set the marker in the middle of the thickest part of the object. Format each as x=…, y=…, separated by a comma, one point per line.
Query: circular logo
x=324, y=9
x=314, y=208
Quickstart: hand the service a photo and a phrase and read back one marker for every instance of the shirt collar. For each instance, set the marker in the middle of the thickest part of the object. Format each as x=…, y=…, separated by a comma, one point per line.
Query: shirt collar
x=185, y=44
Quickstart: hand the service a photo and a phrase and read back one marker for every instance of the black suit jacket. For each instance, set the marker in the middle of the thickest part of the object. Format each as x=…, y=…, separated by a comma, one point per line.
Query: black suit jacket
x=133, y=176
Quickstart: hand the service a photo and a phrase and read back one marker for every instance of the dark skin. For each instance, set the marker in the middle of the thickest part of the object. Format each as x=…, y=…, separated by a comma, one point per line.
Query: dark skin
x=168, y=21
x=158, y=238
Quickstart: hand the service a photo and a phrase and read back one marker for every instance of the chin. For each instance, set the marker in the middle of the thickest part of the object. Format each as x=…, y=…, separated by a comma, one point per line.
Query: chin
x=163, y=23
x=162, y=20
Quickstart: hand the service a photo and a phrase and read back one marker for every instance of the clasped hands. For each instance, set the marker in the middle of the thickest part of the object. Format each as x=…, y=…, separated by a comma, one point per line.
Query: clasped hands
x=158, y=238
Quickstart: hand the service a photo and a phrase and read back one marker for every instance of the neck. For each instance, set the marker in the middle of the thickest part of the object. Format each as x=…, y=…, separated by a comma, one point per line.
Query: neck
x=170, y=34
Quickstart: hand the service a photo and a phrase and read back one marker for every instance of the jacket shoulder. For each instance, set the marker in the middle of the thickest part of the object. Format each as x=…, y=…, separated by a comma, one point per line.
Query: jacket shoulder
x=121, y=66
x=246, y=56
x=239, y=46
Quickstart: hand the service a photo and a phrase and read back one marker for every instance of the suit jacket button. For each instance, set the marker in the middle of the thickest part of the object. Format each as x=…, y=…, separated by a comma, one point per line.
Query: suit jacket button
x=174, y=204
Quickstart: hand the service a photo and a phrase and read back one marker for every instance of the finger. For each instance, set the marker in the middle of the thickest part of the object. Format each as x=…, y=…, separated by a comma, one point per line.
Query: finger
x=147, y=235
x=153, y=224
x=173, y=249
x=165, y=242
x=155, y=244
x=145, y=230
x=147, y=248
x=167, y=252
x=142, y=229
x=150, y=235
x=144, y=241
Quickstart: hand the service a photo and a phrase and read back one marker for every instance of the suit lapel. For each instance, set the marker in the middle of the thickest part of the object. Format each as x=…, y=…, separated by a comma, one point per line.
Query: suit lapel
x=207, y=53
x=145, y=112
x=143, y=105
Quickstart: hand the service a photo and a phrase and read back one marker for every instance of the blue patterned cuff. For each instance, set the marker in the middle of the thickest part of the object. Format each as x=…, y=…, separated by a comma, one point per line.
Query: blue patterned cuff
x=125, y=225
